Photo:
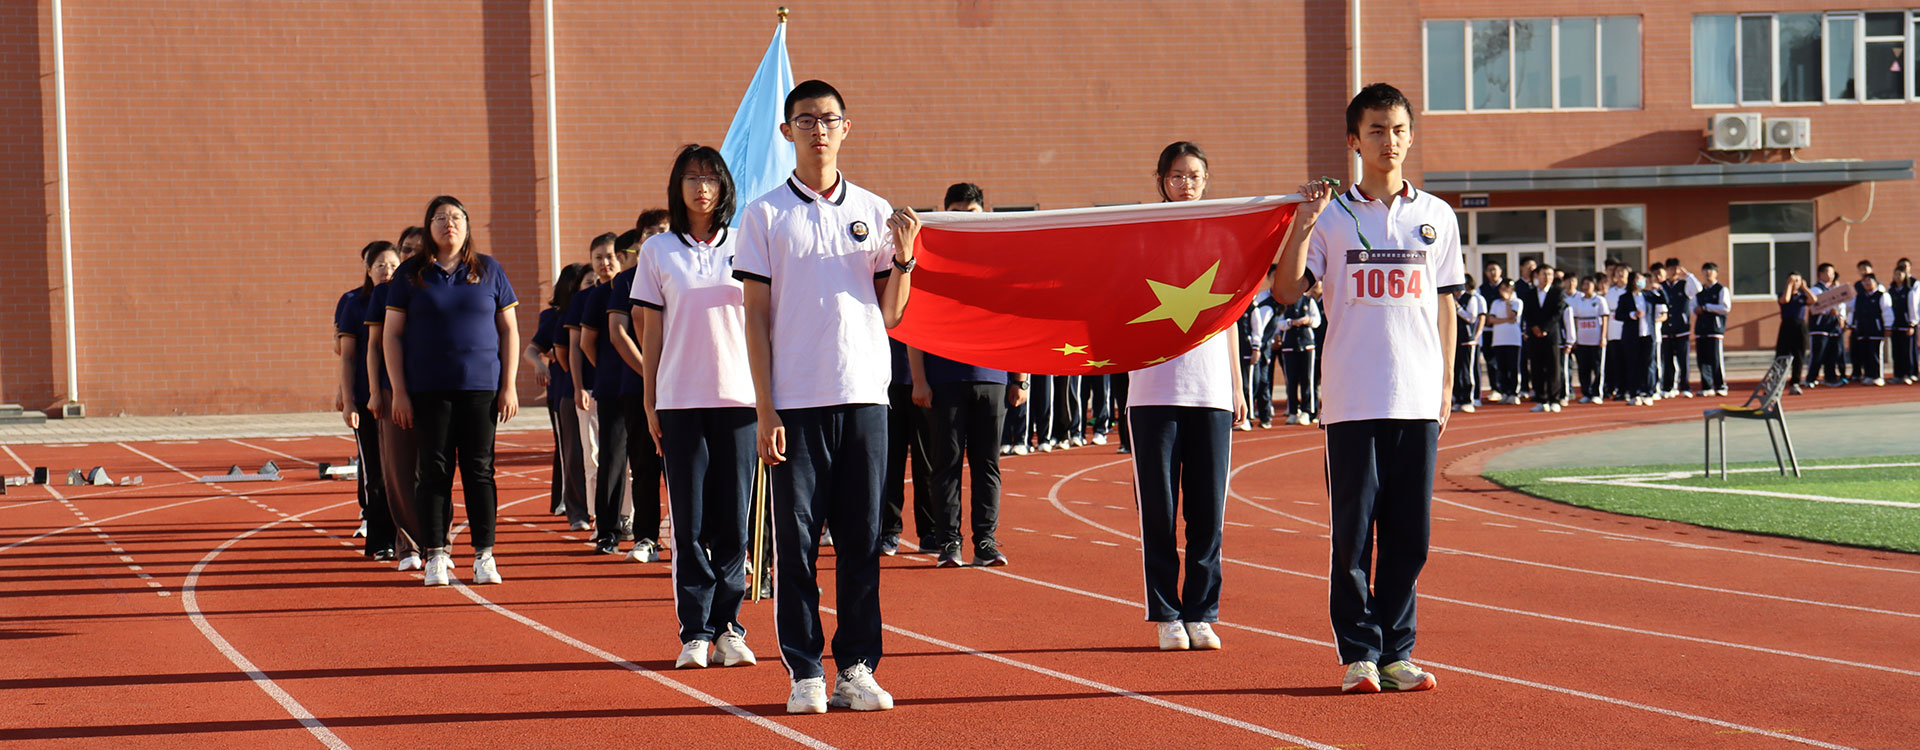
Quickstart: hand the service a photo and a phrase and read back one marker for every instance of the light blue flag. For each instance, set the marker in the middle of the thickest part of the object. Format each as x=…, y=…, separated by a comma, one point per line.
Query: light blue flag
x=759, y=158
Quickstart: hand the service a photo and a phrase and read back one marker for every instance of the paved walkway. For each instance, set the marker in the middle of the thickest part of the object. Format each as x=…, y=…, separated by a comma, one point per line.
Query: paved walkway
x=110, y=429
x=1880, y=430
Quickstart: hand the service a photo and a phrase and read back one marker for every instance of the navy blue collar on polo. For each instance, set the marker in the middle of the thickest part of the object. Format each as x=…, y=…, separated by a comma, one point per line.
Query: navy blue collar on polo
x=718, y=239
x=1356, y=194
x=836, y=193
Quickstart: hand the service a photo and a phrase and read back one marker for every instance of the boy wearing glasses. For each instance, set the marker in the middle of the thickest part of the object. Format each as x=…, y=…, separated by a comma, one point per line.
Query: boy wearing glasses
x=826, y=266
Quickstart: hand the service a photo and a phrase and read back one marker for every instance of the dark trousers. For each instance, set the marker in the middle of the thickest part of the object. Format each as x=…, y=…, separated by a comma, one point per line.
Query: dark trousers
x=907, y=434
x=1866, y=357
x=643, y=463
x=1040, y=409
x=1119, y=383
x=1098, y=392
x=831, y=477
x=1824, y=358
x=372, y=485
x=1713, y=363
x=1524, y=371
x=1635, y=377
x=399, y=466
x=1613, y=376
x=966, y=424
x=455, y=428
x=1506, y=366
x=571, y=459
x=1068, y=418
x=1380, y=483
x=1491, y=355
x=1856, y=347
x=1463, y=390
x=1259, y=379
x=1181, y=452
x=1906, y=360
x=1650, y=361
x=1673, y=363
x=1549, y=375
x=1587, y=357
x=709, y=464
x=1303, y=394
x=1792, y=342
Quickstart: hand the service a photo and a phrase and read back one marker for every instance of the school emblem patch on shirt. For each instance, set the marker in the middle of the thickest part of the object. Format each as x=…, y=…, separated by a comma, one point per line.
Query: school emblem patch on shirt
x=1427, y=234
x=859, y=231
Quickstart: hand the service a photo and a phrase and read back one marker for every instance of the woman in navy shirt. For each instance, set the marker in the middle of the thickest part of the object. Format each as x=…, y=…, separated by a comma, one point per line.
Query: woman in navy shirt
x=399, y=451
x=451, y=349
x=349, y=321
x=548, y=354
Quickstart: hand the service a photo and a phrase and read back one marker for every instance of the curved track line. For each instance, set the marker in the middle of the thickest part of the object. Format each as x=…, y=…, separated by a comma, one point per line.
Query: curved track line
x=190, y=599
x=129, y=514
x=1053, y=497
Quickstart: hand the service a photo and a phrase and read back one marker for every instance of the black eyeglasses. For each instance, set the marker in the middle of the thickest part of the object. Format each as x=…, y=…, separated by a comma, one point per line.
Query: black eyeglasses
x=808, y=122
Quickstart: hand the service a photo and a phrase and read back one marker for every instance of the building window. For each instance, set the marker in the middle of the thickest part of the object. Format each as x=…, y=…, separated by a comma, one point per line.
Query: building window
x=1804, y=58
x=1533, y=64
x=1578, y=241
x=1767, y=241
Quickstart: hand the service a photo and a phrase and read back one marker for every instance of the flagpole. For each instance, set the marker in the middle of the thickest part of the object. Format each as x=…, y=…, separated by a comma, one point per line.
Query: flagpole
x=553, y=148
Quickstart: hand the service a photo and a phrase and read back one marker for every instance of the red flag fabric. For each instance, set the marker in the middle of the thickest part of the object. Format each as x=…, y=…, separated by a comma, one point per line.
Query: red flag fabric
x=1086, y=291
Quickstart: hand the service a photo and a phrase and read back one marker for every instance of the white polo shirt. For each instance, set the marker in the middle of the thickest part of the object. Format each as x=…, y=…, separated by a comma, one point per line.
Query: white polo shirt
x=1470, y=307
x=1506, y=334
x=1590, y=314
x=1613, y=303
x=1382, y=354
x=703, y=337
x=1202, y=377
x=820, y=255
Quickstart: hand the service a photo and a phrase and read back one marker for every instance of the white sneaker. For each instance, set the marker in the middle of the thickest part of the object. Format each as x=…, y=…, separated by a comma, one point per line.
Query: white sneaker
x=733, y=650
x=1201, y=637
x=1403, y=675
x=360, y=532
x=439, y=569
x=1468, y=408
x=809, y=696
x=579, y=526
x=1021, y=449
x=1099, y=439
x=1688, y=394
x=1361, y=677
x=1079, y=442
x=1555, y=408
x=1173, y=636
x=856, y=690
x=484, y=572
x=1244, y=426
x=1046, y=446
x=1006, y=450
x=1723, y=391
x=645, y=550
x=410, y=562
x=1879, y=381
x=692, y=654
x=1494, y=397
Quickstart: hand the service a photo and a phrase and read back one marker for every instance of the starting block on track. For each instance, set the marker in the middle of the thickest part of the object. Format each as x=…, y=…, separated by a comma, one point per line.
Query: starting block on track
x=39, y=477
x=96, y=477
x=270, y=472
x=350, y=470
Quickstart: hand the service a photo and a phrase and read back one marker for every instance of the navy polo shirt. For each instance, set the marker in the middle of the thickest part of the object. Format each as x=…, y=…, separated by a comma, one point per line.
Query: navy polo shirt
x=375, y=314
x=451, y=342
x=606, y=375
x=559, y=385
x=1796, y=306
x=941, y=371
x=349, y=318
x=620, y=300
x=574, y=317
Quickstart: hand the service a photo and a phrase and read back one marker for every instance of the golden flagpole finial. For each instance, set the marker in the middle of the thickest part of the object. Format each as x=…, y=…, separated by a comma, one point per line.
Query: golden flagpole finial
x=782, y=13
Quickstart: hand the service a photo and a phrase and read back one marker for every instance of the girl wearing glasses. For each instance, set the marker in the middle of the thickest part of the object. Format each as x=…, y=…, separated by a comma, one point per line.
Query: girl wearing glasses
x=452, y=350
x=1182, y=414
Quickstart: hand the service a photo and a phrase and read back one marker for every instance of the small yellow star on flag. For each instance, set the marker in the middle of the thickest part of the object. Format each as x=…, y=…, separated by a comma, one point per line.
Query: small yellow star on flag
x=1098, y=363
x=1070, y=350
x=1183, y=305
x=1156, y=361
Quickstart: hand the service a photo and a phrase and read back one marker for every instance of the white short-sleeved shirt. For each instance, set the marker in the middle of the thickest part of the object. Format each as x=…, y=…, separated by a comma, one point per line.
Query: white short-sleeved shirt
x=703, y=337
x=1469, y=307
x=820, y=255
x=1590, y=314
x=1613, y=303
x=1383, y=358
x=1202, y=377
x=1506, y=334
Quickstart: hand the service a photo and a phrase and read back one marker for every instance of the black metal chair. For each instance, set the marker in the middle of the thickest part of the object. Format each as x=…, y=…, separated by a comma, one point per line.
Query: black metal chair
x=1763, y=405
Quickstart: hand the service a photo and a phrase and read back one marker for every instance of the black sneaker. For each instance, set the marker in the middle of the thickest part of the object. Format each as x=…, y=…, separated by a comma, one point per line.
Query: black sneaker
x=606, y=546
x=889, y=545
x=949, y=555
x=385, y=555
x=987, y=554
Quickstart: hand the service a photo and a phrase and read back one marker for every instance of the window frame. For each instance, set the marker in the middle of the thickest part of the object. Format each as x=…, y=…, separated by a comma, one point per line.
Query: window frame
x=1553, y=59
x=1910, y=28
x=1773, y=240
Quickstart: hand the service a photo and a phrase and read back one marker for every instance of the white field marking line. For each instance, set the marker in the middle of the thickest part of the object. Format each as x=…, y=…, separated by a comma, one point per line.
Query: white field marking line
x=190, y=599
x=1053, y=496
x=1650, y=483
x=677, y=686
x=1763, y=469
x=94, y=527
x=25, y=504
x=96, y=522
x=1100, y=686
x=1456, y=668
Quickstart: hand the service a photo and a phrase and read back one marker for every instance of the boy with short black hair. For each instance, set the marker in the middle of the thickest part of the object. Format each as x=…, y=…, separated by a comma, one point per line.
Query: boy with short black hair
x=1390, y=356
x=1711, y=306
x=1872, y=317
x=1680, y=289
x=827, y=267
x=1825, y=358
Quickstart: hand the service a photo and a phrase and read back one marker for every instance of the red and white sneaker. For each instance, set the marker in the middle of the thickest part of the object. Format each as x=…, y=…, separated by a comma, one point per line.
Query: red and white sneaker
x=1362, y=677
x=1404, y=676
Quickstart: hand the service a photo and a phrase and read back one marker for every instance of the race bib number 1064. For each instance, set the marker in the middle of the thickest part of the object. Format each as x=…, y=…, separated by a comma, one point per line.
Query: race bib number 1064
x=1388, y=277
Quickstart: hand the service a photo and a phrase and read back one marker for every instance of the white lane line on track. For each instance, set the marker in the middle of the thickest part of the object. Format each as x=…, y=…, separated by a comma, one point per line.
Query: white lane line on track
x=190, y=599
x=151, y=457
x=129, y=514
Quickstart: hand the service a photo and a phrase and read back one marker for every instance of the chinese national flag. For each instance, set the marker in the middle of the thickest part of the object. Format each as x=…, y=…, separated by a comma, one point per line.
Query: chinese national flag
x=1087, y=291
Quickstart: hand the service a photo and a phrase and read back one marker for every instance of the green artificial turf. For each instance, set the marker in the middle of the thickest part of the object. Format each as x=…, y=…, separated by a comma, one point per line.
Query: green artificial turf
x=1875, y=526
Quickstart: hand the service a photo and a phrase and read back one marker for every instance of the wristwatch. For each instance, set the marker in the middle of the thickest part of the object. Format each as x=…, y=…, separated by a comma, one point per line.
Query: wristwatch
x=906, y=267
x=1022, y=384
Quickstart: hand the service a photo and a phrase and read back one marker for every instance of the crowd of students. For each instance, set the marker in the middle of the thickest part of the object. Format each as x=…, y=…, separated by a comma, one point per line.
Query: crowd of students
x=720, y=345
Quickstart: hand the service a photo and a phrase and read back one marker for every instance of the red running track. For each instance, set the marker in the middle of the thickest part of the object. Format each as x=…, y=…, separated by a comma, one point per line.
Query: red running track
x=238, y=616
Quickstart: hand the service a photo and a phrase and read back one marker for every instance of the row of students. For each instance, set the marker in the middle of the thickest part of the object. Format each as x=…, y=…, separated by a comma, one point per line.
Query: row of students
x=1877, y=317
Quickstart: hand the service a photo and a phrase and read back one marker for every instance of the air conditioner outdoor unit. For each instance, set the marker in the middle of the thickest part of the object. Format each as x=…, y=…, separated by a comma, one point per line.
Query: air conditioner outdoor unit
x=1789, y=132
x=1735, y=132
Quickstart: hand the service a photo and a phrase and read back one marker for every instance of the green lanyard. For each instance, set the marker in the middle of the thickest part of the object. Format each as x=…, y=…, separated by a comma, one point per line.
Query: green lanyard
x=1356, y=222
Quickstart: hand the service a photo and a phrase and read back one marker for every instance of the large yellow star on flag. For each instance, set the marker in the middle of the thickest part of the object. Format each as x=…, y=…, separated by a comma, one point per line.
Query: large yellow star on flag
x=1183, y=305
x=1069, y=349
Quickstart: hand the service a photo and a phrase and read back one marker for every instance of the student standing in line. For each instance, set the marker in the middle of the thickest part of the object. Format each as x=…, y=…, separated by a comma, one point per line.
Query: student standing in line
x=1489, y=291
x=1545, y=340
x=1389, y=356
x=1183, y=413
x=612, y=509
x=1711, y=306
x=827, y=267
x=1791, y=341
x=1825, y=331
x=642, y=522
x=908, y=434
x=697, y=394
x=582, y=349
x=349, y=321
x=1470, y=313
x=1527, y=293
x=1503, y=316
x=549, y=357
x=1256, y=366
x=1299, y=347
x=452, y=351
x=399, y=447
x=1655, y=299
x=1631, y=313
x=1858, y=351
x=967, y=406
x=1872, y=317
x=1590, y=316
x=1906, y=314
x=1681, y=290
x=1613, y=366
